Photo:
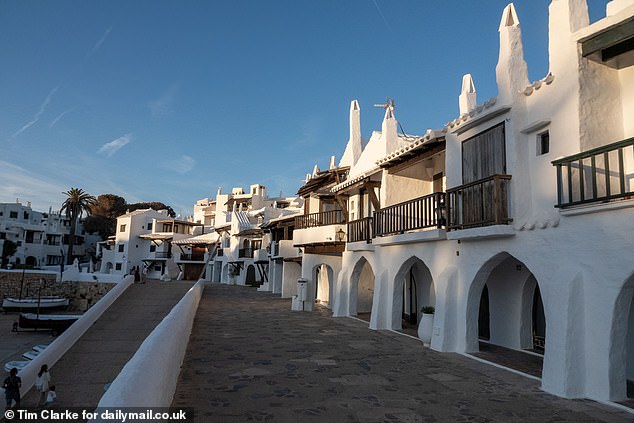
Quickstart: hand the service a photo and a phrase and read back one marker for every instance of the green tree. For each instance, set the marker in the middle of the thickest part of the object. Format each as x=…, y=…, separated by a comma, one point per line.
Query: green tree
x=103, y=214
x=8, y=249
x=155, y=205
x=76, y=204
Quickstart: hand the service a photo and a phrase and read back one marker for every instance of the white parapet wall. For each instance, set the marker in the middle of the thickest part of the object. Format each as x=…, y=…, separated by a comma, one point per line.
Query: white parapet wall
x=149, y=378
x=67, y=339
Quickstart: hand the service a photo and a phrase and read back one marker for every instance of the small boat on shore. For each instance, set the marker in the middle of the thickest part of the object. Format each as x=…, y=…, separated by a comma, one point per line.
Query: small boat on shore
x=18, y=364
x=30, y=355
x=56, y=322
x=47, y=303
x=39, y=348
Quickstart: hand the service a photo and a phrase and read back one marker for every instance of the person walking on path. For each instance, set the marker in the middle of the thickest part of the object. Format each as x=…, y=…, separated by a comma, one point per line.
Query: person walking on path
x=143, y=274
x=137, y=275
x=12, y=385
x=42, y=384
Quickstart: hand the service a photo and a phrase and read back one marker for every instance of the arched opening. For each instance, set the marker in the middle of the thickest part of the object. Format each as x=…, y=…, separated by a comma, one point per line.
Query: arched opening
x=323, y=276
x=225, y=273
x=484, y=324
x=621, y=364
x=250, y=276
x=413, y=290
x=506, y=320
x=362, y=290
x=31, y=261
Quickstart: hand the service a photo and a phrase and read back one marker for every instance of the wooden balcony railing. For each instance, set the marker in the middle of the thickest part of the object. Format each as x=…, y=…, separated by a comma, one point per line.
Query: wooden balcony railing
x=598, y=175
x=334, y=217
x=419, y=213
x=162, y=254
x=192, y=257
x=360, y=230
x=479, y=203
x=245, y=253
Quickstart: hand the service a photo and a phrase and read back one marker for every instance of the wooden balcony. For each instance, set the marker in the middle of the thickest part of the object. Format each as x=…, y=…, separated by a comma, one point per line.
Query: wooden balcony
x=360, y=230
x=419, y=213
x=599, y=175
x=162, y=255
x=313, y=220
x=192, y=257
x=479, y=203
x=245, y=253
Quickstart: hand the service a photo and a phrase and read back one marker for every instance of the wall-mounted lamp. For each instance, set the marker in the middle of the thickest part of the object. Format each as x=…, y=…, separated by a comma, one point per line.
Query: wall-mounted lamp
x=341, y=235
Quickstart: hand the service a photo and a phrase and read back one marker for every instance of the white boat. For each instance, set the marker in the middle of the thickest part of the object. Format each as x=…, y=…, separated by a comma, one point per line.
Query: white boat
x=39, y=348
x=18, y=364
x=30, y=355
x=34, y=303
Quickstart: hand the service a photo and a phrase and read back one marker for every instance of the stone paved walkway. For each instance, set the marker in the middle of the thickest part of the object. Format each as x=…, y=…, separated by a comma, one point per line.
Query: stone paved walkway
x=251, y=359
x=100, y=354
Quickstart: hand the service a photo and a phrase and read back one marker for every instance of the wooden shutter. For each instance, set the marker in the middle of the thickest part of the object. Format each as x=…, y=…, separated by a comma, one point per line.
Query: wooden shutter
x=484, y=155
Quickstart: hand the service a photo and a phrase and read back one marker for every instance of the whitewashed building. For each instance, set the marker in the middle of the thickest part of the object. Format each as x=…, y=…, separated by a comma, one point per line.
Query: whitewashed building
x=144, y=239
x=242, y=251
x=41, y=237
x=514, y=221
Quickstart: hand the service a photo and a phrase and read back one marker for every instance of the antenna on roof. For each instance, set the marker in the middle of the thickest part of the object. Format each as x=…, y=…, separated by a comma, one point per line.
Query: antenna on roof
x=389, y=102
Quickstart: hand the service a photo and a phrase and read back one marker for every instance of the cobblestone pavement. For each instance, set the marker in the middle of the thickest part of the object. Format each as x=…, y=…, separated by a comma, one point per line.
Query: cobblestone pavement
x=252, y=359
x=100, y=354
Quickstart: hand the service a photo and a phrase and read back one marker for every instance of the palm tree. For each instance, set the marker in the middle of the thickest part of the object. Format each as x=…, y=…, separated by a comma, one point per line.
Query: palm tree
x=77, y=202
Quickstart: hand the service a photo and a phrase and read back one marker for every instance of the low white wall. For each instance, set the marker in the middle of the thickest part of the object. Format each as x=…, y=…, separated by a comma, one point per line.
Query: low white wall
x=67, y=339
x=94, y=277
x=149, y=378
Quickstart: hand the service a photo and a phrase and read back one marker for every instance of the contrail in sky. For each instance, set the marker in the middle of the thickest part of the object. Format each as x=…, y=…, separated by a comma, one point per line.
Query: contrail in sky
x=382, y=15
x=38, y=114
x=100, y=42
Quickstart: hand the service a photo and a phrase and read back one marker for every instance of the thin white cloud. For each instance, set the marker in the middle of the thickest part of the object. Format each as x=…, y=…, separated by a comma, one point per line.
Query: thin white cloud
x=163, y=105
x=382, y=15
x=112, y=147
x=61, y=115
x=39, y=113
x=98, y=44
x=18, y=182
x=181, y=165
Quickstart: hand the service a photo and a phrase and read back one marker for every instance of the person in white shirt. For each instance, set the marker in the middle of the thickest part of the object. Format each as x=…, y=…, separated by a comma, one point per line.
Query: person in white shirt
x=42, y=384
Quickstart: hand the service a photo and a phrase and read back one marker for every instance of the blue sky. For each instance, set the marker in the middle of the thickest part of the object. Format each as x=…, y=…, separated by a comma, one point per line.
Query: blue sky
x=167, y=100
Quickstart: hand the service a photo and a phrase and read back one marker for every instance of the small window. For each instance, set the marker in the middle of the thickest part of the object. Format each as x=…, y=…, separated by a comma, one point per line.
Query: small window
x=117, y=266
x=122, y=228
x=26, y=215
x=152, y=248
x=13, y=215
x=149, y=226
x=121, y=247
x=543, y=143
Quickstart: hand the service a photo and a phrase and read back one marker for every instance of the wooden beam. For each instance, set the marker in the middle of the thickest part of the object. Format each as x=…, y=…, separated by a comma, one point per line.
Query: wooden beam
x=399, y=165
x=335, y=249
x=373, y=198
x=343, y=203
